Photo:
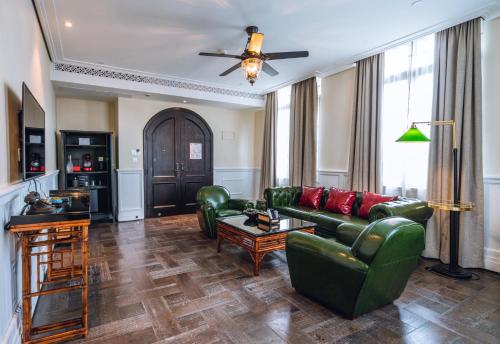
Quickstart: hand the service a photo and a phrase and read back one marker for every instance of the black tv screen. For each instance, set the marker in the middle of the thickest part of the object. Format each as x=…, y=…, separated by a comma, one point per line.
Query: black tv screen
x=32, y=135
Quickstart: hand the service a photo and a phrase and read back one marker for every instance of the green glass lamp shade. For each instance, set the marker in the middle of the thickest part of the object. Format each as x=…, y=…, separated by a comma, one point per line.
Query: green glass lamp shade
x=413, y=135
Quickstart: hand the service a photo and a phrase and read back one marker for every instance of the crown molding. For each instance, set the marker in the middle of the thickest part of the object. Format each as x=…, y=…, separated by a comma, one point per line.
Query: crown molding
x=151, y=79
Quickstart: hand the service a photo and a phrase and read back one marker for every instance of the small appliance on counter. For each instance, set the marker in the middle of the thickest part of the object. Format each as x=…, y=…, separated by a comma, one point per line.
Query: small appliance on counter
x=35, y=164
x=87, y=163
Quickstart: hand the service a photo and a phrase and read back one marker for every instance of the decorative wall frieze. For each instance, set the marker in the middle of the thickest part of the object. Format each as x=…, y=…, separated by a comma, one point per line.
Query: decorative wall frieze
x=153, y=80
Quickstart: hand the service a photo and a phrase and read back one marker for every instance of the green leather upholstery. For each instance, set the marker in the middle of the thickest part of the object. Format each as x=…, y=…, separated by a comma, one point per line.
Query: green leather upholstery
x=356, y=280
x=215, y=201
x=348, y=232
x=408, y=208
x=286, y=199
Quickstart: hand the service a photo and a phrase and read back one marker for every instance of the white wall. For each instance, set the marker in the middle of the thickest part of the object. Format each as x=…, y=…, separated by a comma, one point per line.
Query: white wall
x=85, y=114
x=22, y=58
x=491, y=142
x=334, y=127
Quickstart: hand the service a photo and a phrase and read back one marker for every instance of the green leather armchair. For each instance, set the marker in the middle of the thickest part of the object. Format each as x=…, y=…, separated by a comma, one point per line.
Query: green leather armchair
x=215, y=201
x=358, y=279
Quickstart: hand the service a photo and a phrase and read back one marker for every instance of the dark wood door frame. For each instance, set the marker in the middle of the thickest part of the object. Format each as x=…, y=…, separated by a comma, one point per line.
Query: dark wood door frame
x=148, y=130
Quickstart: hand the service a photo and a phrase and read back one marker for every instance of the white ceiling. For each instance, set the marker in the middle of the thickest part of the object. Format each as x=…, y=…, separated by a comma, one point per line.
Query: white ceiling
x=164, y=36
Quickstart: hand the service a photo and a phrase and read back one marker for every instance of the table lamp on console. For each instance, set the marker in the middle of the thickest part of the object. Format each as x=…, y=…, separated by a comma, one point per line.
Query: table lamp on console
x=454, y=206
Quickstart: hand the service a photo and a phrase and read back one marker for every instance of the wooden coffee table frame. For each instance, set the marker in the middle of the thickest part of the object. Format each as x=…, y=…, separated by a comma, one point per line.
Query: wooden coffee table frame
x=257, y=246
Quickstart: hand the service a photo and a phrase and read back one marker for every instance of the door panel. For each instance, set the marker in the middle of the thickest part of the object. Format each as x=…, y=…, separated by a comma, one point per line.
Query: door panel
x=164, y=149
x=177, y=161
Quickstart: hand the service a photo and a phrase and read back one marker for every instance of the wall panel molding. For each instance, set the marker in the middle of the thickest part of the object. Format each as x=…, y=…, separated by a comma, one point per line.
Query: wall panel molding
x=491, y=223
x=329, y=178
x=11, y=203
x=130, y=194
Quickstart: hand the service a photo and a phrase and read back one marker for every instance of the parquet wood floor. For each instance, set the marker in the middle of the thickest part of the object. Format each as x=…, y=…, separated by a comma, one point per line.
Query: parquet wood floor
x=161, y=281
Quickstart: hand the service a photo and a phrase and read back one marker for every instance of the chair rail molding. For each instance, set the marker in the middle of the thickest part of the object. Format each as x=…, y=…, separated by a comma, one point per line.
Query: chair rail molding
x=130, y=194
x=11, y=203
x=335, y=178
x=491, y=223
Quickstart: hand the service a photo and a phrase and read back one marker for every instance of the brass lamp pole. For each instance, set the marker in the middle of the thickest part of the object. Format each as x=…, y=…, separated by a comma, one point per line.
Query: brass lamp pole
x=454, y=207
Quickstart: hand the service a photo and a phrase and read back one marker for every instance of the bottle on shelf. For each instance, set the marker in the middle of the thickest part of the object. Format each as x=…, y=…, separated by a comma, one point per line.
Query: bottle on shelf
x=69, y=165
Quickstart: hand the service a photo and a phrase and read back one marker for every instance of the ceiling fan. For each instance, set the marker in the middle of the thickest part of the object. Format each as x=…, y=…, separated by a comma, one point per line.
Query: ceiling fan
x=253, y=60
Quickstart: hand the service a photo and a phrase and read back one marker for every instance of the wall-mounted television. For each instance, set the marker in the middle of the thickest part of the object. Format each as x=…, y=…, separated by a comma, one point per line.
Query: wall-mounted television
x=32, y=127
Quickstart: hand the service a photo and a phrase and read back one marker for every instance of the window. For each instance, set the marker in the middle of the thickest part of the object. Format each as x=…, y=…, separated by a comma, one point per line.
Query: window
x=408, y=84
x=283, y=136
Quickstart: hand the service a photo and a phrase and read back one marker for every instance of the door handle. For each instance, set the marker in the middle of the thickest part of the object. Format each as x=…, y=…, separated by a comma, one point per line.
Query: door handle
x=182, y=166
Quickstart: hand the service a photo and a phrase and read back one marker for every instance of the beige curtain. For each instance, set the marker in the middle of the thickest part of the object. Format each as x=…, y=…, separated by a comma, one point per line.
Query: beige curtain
x=365, y=165
x=303, y=118
x=457, y=96
x=268, y=166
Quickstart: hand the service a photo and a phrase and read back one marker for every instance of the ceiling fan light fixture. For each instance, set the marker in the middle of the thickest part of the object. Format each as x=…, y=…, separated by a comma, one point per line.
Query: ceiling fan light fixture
x=251, y=69
x=255, y=43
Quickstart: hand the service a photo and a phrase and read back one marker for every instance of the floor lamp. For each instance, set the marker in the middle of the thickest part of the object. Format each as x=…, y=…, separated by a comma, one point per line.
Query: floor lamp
x=455, y=206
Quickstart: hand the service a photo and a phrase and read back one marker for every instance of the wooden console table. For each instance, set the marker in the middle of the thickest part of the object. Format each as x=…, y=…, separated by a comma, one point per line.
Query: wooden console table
x=54, y=245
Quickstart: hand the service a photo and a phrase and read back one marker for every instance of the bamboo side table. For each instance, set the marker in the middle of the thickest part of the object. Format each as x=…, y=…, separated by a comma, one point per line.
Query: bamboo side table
x=66, y=270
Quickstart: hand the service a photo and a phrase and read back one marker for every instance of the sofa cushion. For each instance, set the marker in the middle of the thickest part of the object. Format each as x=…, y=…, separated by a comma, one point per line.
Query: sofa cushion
x=340, y=201
x=311, y=197
x=297, y=211
x=369, y=200
x=326, y=219
x=228, y=212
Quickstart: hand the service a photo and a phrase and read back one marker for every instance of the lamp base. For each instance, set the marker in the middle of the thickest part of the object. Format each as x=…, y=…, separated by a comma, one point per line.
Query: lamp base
x=458, y=273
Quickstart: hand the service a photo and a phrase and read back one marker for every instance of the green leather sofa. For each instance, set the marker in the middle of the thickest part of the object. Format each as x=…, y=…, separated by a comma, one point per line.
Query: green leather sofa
x=358, y=279
x=213, y=202
x=345, y=228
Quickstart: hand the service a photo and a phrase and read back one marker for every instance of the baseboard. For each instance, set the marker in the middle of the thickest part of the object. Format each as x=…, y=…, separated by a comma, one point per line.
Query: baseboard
x=130, y=214
x=13, y=334
x=492, y=259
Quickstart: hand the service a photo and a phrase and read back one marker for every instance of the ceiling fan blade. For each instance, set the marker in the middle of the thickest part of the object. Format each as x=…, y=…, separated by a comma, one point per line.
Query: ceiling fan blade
x=230, y=70
x=286, y=55
x=266, y=67
x=220, y=55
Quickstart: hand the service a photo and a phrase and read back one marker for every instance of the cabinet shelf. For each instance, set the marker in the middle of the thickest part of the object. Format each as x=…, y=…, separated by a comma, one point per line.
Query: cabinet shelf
x=87, y=172
x=84, y=146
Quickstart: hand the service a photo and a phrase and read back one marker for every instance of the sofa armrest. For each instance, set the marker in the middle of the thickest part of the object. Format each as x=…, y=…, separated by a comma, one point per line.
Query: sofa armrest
x=409, y=208
x=206, y=217
x=239, y=204
x=347, y=233
x=325, y=270
x=282, y=197
x=334, y=254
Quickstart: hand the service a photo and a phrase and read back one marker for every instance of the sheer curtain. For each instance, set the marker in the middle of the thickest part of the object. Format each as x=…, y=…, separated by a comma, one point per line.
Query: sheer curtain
x=408, y=72
x=283, y=137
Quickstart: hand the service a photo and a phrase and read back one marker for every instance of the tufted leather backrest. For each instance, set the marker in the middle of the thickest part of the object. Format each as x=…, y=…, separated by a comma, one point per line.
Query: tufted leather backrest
x=389, y=239
x=282, y=197
x=217, y=196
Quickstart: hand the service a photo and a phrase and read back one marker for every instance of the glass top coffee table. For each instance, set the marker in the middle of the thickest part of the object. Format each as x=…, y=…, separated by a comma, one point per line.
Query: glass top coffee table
x=256, y=241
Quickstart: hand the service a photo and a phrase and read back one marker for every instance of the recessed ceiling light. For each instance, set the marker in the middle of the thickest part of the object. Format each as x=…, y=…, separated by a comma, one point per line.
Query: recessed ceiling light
x=417, y=3
x=67, y=23
x=184, y=101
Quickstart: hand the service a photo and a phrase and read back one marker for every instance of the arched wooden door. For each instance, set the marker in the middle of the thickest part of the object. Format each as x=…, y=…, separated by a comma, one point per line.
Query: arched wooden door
x=178, y=153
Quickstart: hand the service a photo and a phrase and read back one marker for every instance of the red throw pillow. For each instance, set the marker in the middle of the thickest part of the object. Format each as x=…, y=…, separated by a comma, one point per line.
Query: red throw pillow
x=340, y=201
x=369, y=200
x=311, y=197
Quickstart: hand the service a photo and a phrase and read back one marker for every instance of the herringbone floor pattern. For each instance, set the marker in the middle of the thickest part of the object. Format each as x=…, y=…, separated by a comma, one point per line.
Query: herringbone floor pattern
x=162, y=281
